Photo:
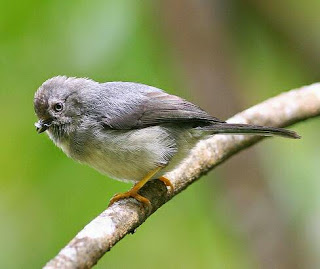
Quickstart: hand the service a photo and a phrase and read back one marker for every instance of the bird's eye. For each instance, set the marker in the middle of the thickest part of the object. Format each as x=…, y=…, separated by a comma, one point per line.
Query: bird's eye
x=58, y=107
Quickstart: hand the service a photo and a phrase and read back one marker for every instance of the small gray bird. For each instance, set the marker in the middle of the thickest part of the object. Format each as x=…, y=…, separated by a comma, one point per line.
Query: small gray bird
x=129, y=131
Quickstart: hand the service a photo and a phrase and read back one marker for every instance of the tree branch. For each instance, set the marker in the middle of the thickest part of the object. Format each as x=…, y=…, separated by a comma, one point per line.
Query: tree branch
x=123, y=217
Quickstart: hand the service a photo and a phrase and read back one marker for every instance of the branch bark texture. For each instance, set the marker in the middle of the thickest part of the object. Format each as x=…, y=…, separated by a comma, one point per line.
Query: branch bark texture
x=123, y=217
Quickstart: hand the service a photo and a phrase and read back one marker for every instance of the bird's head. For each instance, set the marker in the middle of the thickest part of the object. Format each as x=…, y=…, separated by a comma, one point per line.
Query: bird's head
x=58, y=104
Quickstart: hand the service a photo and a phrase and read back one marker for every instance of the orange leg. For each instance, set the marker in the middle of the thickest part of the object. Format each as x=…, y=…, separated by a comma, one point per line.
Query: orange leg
x=133, y=192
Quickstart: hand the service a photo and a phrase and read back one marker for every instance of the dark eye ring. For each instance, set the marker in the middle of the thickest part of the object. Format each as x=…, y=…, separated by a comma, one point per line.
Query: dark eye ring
x=58, y=107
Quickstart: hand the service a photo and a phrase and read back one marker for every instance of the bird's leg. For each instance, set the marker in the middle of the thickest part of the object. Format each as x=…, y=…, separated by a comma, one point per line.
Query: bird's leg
x=133, y=192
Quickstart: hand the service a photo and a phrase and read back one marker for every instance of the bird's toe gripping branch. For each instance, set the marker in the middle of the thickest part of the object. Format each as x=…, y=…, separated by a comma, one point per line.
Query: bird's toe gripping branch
x=167, y=182
x=133, y=192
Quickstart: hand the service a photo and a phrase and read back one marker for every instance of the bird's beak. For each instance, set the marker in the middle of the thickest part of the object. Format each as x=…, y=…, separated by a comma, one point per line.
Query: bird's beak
x=42, y=125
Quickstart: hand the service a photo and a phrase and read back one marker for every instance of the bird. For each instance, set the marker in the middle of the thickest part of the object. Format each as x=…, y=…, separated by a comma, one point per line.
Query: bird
x=129, y=131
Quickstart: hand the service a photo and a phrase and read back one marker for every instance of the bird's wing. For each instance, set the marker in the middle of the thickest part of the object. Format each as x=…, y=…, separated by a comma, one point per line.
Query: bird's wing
x=156, y=108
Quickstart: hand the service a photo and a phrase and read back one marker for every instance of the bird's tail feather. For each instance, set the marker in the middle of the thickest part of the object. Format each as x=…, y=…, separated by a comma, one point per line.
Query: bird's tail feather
x=226, y=128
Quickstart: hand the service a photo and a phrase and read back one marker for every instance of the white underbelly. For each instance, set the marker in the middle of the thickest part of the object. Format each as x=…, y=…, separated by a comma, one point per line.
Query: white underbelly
x=130, y=155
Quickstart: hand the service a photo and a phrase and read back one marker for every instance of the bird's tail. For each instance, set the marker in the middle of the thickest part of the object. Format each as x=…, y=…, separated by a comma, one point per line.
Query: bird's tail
x=226, y=128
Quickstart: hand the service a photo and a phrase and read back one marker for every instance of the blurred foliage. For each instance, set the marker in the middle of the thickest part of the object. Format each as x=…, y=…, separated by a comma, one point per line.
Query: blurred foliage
x=46, y=198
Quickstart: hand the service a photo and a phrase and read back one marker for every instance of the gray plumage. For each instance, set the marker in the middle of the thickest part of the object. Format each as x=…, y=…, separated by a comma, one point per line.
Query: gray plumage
x=125, y=129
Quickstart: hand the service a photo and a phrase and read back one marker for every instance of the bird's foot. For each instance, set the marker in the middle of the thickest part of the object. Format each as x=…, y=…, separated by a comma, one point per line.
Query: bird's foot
x=131, y=193
x=134, y=191
x=168, y=183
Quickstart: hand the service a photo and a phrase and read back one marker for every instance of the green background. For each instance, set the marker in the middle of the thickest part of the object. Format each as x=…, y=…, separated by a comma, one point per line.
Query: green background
x=46, y=198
